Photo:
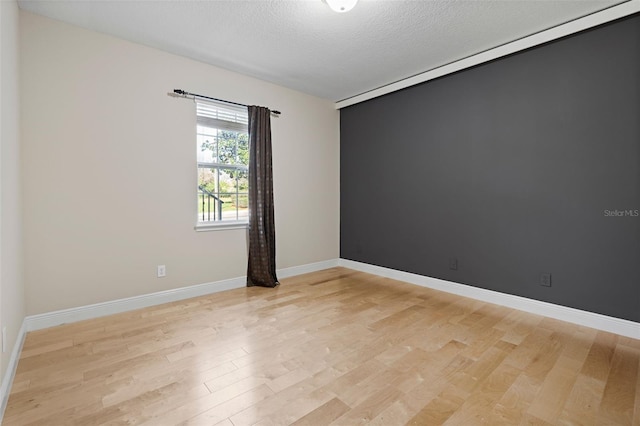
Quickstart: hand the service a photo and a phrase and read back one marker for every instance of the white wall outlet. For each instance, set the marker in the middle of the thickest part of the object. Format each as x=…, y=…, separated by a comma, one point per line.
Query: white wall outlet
x=4, y=338
x=162, y=271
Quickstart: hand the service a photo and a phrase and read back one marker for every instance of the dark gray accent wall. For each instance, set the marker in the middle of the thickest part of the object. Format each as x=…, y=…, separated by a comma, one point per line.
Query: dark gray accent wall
x=526, y=165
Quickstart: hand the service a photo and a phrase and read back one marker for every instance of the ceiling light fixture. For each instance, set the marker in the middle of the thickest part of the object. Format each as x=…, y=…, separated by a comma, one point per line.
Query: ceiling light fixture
x=341, y=6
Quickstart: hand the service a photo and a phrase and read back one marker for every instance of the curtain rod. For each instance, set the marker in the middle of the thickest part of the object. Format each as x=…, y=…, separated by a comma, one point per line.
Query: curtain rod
x=183, y=93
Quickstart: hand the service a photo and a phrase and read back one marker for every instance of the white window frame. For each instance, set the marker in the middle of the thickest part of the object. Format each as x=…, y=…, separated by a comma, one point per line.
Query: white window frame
x=221, y=116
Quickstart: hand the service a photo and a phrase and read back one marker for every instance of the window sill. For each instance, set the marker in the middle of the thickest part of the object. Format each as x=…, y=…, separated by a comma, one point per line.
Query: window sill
x=205, y=227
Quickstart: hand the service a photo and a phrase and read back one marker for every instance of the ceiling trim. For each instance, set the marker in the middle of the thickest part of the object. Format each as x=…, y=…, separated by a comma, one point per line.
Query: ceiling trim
x=563, y=30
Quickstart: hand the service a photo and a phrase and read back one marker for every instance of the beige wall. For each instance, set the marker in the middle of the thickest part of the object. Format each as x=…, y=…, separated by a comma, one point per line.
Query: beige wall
x=108, y=169
x=12, y=305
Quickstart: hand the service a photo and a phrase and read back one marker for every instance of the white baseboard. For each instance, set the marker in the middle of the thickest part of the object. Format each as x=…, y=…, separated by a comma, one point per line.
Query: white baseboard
x=563, y=313
x=305, y=269
x=65, y=316
x=10, y=373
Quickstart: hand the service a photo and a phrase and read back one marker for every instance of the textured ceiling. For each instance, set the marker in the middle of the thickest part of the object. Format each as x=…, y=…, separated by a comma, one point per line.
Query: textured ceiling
x=303, y=45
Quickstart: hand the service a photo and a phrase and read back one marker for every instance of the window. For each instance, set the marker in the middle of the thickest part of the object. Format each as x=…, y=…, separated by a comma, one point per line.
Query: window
x=223, y=162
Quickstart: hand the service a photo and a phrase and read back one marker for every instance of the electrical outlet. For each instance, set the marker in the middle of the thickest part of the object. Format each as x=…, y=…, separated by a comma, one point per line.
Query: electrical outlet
x=162, y=271
x=545, y=280
x=453, y=264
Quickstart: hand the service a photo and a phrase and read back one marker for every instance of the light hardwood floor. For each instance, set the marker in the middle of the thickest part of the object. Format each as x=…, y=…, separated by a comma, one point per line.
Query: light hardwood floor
x=333, y=347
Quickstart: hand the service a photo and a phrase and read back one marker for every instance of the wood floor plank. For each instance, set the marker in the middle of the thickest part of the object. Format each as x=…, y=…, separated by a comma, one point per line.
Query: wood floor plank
x=332, y=347
x=224, y=410
x=510, y=409
x=583, y=401
x=618, y=399
x=440, y=409
x=324, y=414
x=636, y=412
x=364, y=412
x=558, y=383
x=598, y=362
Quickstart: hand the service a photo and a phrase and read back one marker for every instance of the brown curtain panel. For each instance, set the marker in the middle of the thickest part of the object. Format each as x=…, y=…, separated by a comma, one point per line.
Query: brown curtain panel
x=261, y=270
